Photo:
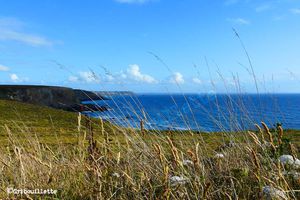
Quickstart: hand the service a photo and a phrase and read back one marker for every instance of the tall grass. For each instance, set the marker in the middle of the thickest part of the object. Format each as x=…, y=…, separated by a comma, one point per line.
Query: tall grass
x=156, y=166
x=112, y=162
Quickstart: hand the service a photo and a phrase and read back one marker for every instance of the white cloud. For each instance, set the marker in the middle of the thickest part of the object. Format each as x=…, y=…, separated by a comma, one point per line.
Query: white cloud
x=177, y=78
x=11, y=29
x=89, y=77
x=134, y=73
x=14, y=78
x=239, y=21
x=109, y=77
x=29, y=39
x=133, y=1
x=295, y=11
x=4, y=68
x=85, y=77
x=197, y=81
x=73, y=79
x=122, y=75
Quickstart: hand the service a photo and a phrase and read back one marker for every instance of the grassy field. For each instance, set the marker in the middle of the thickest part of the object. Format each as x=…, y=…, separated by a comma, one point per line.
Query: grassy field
x=89, y=159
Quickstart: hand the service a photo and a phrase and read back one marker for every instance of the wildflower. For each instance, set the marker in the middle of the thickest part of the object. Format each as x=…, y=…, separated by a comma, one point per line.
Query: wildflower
x=117, y=175
x=296, y=164
x=289, y=160
x=286, y=159
x=273, y=193
x=295, y=175
x=219, y=155
x=231, y=144
x=187, y=162
x=178, y=180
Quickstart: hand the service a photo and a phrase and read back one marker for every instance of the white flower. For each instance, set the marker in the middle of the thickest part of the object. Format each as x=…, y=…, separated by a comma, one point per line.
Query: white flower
x=231, y=144
x=296, y=164
x=219, y=155
x=294, y=174
x=286, y=159
x=273, y=193
x=178, y=180
x=117, y=175
x=187, y=162
x=289, y=160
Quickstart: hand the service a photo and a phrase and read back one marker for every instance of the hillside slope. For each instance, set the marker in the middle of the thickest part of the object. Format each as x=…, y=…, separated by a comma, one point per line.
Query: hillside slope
x=52, y=126
x=51, y=96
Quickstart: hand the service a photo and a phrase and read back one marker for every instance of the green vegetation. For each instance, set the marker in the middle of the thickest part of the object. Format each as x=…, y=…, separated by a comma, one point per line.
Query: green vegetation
x=87, y=159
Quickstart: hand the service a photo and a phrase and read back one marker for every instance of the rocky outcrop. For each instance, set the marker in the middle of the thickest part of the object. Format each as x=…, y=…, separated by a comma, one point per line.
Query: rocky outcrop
x=51, y=96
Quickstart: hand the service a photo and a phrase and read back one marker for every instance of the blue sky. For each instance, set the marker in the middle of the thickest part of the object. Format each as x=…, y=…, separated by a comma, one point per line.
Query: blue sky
x=151, y=45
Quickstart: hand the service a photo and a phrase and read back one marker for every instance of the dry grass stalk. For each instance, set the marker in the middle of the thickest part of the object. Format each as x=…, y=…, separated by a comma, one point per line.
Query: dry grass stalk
x=118, y=158
x=281, y=176
x=79, y=122
x=280, y=134
x=167, y=193
x=102, y=126
x=255, y=138
x=260, y=131
x=174, y=151
x=137, y=172
x=228, y=196
x=206, y=190
x=142, y=127
x=293, y=150
x=257, y=177
x=159, y=153
x=166, y=175
x=194, y=157
x=267, y=131
x=39, y=161
x=269, y=181
x=255, y=160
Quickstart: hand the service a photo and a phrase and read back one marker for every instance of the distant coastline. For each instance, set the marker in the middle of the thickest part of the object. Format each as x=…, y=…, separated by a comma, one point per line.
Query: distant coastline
x=64, y=98
x=114, y=93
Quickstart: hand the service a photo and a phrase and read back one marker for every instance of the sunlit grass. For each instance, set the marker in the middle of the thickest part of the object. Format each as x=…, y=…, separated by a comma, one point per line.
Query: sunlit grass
x=46, y=148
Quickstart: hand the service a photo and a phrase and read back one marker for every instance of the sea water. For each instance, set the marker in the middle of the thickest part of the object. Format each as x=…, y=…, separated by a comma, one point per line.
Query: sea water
x=201, y=112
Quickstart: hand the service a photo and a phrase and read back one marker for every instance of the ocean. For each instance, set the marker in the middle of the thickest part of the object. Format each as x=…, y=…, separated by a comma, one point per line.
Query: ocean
x=201, y=112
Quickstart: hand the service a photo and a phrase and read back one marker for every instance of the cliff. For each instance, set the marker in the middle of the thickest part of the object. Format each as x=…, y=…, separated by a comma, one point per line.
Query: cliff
x=51, y=96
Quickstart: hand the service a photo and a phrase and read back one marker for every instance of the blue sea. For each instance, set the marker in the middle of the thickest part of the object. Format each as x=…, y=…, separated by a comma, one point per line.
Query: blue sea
x=201, y=112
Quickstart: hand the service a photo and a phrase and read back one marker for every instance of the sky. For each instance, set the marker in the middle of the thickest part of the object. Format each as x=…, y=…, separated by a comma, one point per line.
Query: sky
x=152, y=45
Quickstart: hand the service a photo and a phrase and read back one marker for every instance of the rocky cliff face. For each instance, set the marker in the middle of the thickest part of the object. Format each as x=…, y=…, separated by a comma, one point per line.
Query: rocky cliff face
x=55, y=97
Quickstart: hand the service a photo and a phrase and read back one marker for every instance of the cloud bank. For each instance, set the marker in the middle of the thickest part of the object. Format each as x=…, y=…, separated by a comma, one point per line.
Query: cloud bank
x=85, y=77
x=4, y=68
x=132, y=74
x=177, y=78
x=12, y=29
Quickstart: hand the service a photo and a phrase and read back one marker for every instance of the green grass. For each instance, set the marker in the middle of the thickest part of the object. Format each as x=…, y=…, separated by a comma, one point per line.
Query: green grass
x=47, y=123
x=52, y=125
x=42, y=148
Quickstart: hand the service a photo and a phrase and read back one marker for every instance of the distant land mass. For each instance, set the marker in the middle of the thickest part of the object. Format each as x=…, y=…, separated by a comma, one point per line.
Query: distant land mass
x=55, y=96
x=114, y=93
